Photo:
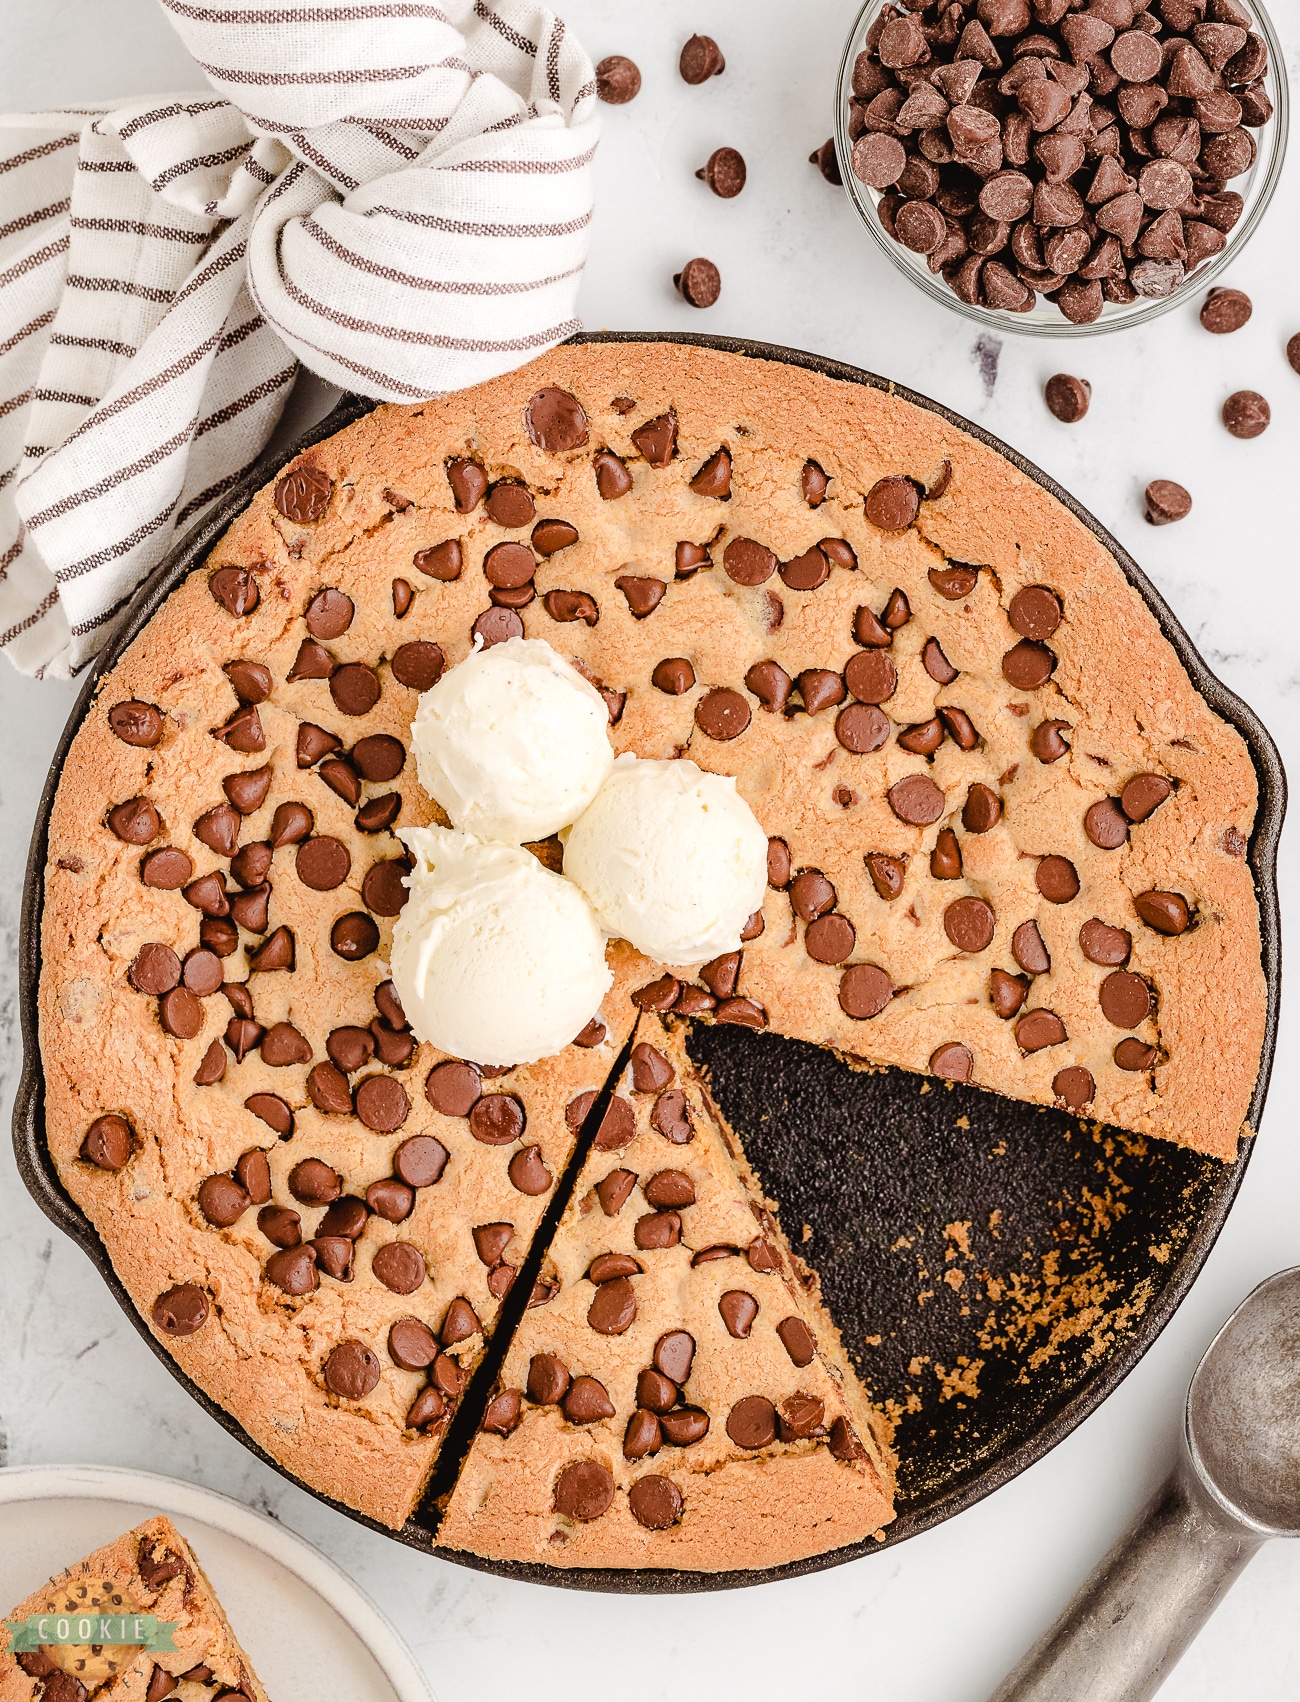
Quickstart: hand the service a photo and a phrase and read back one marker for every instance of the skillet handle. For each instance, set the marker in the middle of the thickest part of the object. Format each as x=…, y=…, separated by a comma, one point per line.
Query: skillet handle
x=1128, y=1626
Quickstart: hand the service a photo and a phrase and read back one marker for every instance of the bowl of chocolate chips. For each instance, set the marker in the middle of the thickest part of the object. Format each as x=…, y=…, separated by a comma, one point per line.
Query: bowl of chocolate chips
x=1064, y=166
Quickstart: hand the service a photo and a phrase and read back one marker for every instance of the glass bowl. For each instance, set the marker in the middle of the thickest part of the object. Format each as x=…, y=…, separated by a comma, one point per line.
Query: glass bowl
x=1045, y=319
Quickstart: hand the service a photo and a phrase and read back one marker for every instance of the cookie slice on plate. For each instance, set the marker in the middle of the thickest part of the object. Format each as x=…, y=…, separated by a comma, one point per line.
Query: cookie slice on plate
x=681, y=1400
x=148, y=1586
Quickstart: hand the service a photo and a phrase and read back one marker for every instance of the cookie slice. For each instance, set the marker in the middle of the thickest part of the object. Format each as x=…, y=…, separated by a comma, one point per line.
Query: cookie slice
x=682, y=1400
x=151, y=1570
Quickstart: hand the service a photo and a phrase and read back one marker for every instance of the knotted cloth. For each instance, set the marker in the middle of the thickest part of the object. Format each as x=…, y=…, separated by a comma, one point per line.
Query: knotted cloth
x=397, y=195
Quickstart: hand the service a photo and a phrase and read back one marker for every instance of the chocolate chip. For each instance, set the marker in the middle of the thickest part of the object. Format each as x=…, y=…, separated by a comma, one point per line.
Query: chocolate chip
x=969, y=924
x=293, y=1269
x=108, y=1142
x=1029, y=951
x=614, y=1308
x=916, y=800
x=252, y=681
x=714, y=480
x=571, y=606
x=587, y=1401
x=327, y=1088
x=892, y=503
x=864, y=991
x=747, y=562
x=592, y=1035
x=335, y=1255
x=329, y=615
x=1166, y=912
x=136, y=821
x=1125, y=999
x=1133, y=1054
x=724, y=172
x=877, y=159
x=403, y=596
x=945, y=859
x=1105, y=824
x=351, y=1371
x=924, y=738
x=1074, y=1087
x=1293, y=352
x=770, y=684
x=412, y=1344
x=282, y=1044
x=1225, y=310
x=1166, y=502
x=955, y=581
x=699, y=282
x=673, y=675
x=960, y=728
x=862, y=728
x=674, y=1354
x=497, y=1119
x=556, y=420
x=242, y=1036
x=1007, y=993
x=219, y=935
x=1039, y=1029
x=180, y=1013
x=751, y=1423
x=382, y=1103
x=820, y=688
x=243, y=732
x=222, y=1201
x=1046, y=742
x=584, y=1490
x=657, y=438
x=671, y=1117
x=342, y=778
x=825, y=160
x=1057, y=879
x=180, y=1311
x=797, y=1339
x=527, y=1172
x=657, y=1230
x=722, y=714
x=1103, y=944
x=235, y=589
x=303, y=494
x=323, y=863
x=830, y=939
x=454, y=1089
x=155, y=970
x=701, y=58
x=419, y=1161
x=314, y=1183
x=444, y=561
x=418, y=665
x=253, y=864
x=1028, y=665
x=1246, y=413
x=354, y=688
x=383, y=889
x=685, y=1426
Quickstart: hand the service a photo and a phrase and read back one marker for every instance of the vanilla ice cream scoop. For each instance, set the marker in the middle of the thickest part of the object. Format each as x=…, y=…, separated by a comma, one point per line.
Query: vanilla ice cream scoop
x=495, y=958
x=672, y=859
x=512, y=742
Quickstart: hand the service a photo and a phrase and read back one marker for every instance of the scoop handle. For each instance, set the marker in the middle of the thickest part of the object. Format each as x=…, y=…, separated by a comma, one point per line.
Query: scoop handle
x=1128, y=1626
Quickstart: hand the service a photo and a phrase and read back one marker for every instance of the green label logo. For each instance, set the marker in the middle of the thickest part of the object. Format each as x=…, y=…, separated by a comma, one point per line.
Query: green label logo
x=90, y=1630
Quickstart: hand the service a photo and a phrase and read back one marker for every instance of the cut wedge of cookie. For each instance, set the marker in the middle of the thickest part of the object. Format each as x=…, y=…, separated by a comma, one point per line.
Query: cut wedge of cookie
x=682, y=1400
x=147, y=1575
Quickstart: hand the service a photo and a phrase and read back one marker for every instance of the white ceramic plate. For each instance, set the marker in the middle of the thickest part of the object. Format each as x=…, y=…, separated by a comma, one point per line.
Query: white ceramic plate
x=307, y=1628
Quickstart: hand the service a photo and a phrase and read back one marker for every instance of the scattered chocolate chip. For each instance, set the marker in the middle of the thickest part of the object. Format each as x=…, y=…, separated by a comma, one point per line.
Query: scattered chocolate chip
x=252, y=681
x=701, y=58
x=892, y=503
x=824, y=158
x=1166, y=502
x=1074, y=1087
x=1067, y=398
x=1246, y=413
x=1046, y=741
x=1133, y=1054
x=1039, y=1029
x=497, y=1119
x=527, y=1172
x=830, y=939
x=864, y=991
x=419, y=1161
x=643, y=593
x=108, y=1142
x=862, y=728
x=751, y=1423
x=674, y=1354
x=235, y=589
x=584, y=1490
x=657, y=438
x=724, y=172
x=955, y=581
x=1029, y=951
x=293, y=1269
x=936, y=664
x=155, y=970
x=614, y=1308
x=797, y=1339
x=571, y=606
x=355, y=688
x=351, y=1371
x=180, y=1013
x=1166, y=912
x=699, y=282
x=282, y=1044
x=1057, y=879
x=1028, y=665
x=180, y=1311
x=303, y=494
x=412, y=1344
x=243, y=732
x=1125, y=999
x=556, y=420
x=455, y=1089
x=444, y=561
x=323, y=863
x=587, y=1401
x=916, y=800
x=969, y=924
x=1225, y=310
x=722, y=714
x=1007, y=993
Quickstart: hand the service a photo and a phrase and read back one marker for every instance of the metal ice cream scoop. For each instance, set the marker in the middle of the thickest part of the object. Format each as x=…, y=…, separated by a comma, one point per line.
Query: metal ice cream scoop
x=1236, y=1484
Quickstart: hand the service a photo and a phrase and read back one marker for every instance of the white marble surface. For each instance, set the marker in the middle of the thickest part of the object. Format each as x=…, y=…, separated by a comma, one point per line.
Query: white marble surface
x=939, y=1619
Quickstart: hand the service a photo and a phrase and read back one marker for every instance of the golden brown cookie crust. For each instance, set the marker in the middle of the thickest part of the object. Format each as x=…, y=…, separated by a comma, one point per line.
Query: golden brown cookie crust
x=1128, y=702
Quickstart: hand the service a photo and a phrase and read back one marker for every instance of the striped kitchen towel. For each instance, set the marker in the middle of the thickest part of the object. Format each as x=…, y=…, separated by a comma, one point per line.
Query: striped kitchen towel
x=397, y=195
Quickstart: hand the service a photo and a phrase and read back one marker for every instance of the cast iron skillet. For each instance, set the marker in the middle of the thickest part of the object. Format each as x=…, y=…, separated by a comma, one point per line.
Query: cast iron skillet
x=996, y=1269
